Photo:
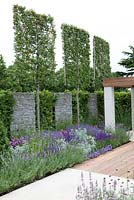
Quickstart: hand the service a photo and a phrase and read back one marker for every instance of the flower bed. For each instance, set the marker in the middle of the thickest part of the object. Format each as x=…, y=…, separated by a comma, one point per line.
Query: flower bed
x=35, y=156
x=103, y=187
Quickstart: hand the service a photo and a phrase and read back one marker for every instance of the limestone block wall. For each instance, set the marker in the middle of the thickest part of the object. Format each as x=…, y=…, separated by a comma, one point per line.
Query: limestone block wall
x=63, y=108
x=24, y=112
x=93, y=107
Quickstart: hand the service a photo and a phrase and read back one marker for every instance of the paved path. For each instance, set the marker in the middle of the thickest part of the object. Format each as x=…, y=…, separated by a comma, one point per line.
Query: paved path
x=118, y=162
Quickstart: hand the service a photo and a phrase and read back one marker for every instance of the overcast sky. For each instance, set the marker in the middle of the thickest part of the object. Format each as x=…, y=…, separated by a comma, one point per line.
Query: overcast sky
x=113, y=20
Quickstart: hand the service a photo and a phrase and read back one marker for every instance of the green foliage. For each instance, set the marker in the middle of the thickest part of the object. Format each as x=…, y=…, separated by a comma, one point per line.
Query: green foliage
x=2, y=73
x=4, y=140
x=84, y=107
x=100, y=104
x=86, y=142
x=101, y=61
x=34, y=49
x=128, y=62
x=122, y=107
x=47, y=104
x=12, y=79
x=6, y=108
x=76, y=57
x=18, y=170
x=63, y=125
x=59, y=82
x=119, y=138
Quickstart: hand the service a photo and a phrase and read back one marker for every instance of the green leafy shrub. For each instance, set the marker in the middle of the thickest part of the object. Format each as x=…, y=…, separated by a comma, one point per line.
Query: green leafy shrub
x=4, y=141
x=18, y=170
x=119, y=137
x=84, y=107
x=47, y=104
x=86, y=142
x=100, y=102
x=122, y=107
x=6, y=107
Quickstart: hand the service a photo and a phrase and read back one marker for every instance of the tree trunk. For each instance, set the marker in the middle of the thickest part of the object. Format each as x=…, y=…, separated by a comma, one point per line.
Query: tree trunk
x=38, y=107
x=78, y=107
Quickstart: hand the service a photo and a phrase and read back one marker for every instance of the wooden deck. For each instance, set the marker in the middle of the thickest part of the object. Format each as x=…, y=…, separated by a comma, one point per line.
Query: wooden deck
x=118, y=162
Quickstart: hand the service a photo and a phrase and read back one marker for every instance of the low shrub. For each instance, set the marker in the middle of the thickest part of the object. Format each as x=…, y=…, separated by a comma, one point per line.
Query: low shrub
x=34, y=157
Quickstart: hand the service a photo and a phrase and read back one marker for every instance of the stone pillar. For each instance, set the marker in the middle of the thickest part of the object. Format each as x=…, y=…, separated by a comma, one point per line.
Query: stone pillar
x=24, y=112
x=63, y=108
x=93, y=108
x=109, y=105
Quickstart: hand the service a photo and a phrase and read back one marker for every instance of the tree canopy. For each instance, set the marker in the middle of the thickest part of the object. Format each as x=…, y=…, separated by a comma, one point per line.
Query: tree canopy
x=128, y=62
x=34, y=48
x=101, y=61
x=76, y=57
x=2, y=73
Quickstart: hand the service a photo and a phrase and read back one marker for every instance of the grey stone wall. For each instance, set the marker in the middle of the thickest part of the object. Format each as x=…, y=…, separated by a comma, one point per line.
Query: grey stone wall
x=63, y=108
x=93, y=107
x=24, y=112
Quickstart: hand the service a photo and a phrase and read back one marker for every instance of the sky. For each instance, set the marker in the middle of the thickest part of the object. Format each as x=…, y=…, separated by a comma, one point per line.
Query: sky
x=112, y=20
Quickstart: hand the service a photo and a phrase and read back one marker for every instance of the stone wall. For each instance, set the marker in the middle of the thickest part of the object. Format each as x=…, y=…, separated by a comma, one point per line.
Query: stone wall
x=24, y=112
x=63, y=108
x=93, y=107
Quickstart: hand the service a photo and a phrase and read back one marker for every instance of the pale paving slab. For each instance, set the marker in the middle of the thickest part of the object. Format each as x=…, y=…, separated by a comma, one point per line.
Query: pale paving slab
x=60, y=186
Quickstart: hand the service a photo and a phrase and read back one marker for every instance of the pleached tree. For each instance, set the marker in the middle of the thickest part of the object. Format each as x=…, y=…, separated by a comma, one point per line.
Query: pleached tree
x=34, y=51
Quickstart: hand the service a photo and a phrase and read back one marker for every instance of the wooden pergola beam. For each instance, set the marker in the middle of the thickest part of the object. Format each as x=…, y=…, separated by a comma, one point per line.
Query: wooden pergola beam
x=123, y=82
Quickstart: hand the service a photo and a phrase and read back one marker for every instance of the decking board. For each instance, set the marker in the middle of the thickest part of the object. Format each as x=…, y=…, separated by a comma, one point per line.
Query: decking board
x=121, y=158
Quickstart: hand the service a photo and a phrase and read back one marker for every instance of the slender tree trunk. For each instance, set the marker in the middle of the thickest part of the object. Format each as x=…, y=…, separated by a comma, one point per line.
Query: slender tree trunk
x=94, y=67
x=37, y=81
x=77, y=94
x=38, y=107
x=65, y=77
x=78, y=107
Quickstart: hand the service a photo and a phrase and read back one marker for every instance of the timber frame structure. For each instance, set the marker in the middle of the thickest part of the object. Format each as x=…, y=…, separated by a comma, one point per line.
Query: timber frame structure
x=109, y=102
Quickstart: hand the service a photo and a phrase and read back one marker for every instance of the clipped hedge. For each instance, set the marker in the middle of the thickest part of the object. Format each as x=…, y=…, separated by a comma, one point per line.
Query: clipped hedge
x=6, y=108
x=100, y=102
x=84, y=107
x=47, y=104
x=4, y=139
x=122, y=107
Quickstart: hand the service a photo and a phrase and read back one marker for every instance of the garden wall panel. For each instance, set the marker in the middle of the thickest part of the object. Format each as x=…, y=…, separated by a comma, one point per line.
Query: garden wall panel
x=24, y=112
x=93, y=107
x=63, y=108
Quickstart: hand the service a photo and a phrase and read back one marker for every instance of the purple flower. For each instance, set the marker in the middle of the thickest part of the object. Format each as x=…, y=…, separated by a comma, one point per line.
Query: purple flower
x=93, y=131
x=14, y=142
x=100, y=151
x=69, y=135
